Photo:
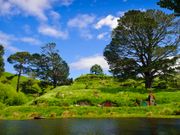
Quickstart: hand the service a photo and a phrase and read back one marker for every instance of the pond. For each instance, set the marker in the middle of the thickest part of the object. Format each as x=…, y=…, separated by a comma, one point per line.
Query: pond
x=121, y=126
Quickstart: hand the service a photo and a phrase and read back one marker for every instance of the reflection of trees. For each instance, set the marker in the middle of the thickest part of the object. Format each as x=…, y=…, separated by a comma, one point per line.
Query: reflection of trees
x=164, y=126
x=127, y=126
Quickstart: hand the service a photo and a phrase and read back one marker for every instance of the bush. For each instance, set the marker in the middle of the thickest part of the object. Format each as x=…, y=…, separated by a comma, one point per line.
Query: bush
x=17, y=99
x=2, y=106
x=10, y=97
x=129, y=83
x=160, y=85
x=6, y=92
x=30, y=87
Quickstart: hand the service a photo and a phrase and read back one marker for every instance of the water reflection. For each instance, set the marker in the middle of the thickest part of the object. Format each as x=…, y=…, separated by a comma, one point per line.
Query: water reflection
x=122, y=126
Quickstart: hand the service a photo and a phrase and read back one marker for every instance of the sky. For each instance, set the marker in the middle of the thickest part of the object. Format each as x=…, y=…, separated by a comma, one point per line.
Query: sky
x=81, y=29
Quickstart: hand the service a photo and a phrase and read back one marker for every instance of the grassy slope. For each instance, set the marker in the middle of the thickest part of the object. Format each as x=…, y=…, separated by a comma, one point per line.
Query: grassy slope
x=63, y=101
x=11, y=79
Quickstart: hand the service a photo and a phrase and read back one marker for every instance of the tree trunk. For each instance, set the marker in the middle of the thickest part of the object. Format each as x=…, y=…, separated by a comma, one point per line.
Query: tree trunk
x=148, y=80
x=54, y=83
x=18, y=81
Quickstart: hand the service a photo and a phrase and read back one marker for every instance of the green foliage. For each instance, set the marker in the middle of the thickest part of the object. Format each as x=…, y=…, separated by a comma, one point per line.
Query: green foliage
x=88, y=100
x=96, y=69
x=1, y=60
x=17, y=99
x=10, y=97
x=6, y=92
x=139, y=45
x=49, y=66
x=31, y=87
x=94, y=81
x=170, y=4
x=2, y=106
x=19, y=59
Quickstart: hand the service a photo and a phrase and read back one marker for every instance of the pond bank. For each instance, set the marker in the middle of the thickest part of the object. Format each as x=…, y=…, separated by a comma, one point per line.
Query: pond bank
x=30, y=112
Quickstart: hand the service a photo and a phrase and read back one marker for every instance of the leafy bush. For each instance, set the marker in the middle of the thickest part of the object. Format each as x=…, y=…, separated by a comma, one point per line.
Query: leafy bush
x=10, y=97
x=17, y=99
x=6, y=92
x=2, y=106
x=30, y=87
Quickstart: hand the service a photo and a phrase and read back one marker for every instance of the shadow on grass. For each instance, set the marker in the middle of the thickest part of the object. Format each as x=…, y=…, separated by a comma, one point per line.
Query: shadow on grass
x=10, y=77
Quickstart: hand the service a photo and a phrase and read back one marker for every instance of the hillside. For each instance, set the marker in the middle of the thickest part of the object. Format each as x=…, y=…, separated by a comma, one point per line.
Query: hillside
x=96, y=96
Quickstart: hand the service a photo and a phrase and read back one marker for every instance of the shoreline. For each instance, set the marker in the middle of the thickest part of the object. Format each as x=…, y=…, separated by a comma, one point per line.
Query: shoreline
x=56, y=112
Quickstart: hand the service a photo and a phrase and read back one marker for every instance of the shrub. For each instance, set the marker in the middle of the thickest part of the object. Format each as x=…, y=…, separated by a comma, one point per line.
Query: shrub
x=129, y=83
x=2, y=106
x=30, y=87
x=6, y=92
x=17, y=99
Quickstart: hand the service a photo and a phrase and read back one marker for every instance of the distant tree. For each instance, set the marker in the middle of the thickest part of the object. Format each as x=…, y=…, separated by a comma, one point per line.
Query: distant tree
x=20, y=61
x=49, y=66
x=1, y=60
x=96, y=69
x=171, y=4
x=143, y=43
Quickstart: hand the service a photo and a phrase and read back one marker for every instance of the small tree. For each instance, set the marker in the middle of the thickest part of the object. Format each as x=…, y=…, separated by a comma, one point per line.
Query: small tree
x=1, y=60
x=96, y=69
x=20, y=61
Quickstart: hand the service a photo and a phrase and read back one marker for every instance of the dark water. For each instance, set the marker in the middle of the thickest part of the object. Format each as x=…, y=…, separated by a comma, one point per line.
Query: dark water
x=123, y=126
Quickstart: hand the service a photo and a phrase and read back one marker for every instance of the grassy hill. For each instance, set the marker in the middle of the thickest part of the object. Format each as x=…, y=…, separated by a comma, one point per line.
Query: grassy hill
x=94, y=96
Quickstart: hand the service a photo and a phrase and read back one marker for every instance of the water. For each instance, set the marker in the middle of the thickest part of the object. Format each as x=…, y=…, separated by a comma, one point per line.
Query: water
x=123, y=126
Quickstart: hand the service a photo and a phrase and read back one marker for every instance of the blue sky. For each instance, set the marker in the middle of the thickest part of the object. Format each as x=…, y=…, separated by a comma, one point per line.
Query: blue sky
x=80, y=28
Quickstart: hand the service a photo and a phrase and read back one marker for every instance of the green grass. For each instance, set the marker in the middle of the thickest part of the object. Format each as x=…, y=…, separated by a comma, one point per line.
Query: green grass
x=28, y=112
x=93, y=91
x=11, y=79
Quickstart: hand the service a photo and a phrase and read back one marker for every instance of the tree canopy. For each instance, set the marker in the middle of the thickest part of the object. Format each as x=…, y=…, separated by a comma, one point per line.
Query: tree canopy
x=171, y=4
x=20, y=61
x=49, y=66
x=96, y=69
x=144, y=43
x=1, y=60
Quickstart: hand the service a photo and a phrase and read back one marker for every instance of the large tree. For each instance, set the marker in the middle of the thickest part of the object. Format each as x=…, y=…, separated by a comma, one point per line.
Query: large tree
x=96, y=69
x=49, y=66
x=1, y=60
x=20, y=61
x=143, y=43
x=171, y=4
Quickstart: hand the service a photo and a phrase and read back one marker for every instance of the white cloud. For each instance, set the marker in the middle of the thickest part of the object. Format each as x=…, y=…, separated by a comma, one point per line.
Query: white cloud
x=36, y=8
x=5, y=7
x=102, y=35
x=52, y=32
x=121, y=13
x=81, y=21
x=55, y=15
x=84, y=23
x=86, y=34
x=88, y=62
x=31, y=40
x=65, y=2
x=26, y=7
x=11, y=48
x=6, y=39
x=110, y=21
